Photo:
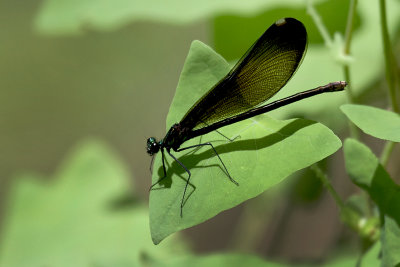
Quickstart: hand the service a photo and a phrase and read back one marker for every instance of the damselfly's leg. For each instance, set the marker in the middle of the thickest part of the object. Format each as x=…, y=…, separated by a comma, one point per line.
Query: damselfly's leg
x=215, y=151
x=230, y=140
x=165, y=172
x=187, y=181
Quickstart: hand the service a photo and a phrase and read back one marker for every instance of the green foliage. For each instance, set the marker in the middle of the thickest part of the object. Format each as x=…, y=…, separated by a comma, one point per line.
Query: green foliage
x=72, y=17
x=390, y=242
x=366, y=171
x=372, y=257
x=379, y=123
x=82, y=216
x=321, y=64
x=74, y=212
x=266, y=152
x=357, y=215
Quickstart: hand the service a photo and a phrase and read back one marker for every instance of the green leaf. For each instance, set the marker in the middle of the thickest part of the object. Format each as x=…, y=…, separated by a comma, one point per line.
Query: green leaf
x=377, y=122
x=366, y=172
x=71, y=17
x=80, y=217
x=266, y=152
x=390, y=243
x=243, y=30
x=372, y=257
x=322, y=63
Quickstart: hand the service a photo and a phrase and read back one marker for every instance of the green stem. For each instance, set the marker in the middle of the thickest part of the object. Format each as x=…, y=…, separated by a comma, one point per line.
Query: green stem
x=346, y=48
x=349, y=27
x=327, y=184
x=391, y=68
x=255, y=216
x=354, y=132
x=320, y=25
x=387, y=150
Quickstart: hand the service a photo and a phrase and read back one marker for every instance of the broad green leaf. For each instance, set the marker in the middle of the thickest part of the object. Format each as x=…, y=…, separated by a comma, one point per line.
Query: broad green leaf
x=377, y=122
x=390, y=243
x=266, y=152
x=71, y=17
x=365, y=171
x=79, y=217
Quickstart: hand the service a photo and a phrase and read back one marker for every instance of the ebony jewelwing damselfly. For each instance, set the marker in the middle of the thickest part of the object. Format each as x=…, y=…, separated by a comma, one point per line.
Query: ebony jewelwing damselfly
x=261, y=72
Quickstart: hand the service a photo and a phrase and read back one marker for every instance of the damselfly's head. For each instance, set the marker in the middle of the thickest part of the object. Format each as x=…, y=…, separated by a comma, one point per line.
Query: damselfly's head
x=152, y=146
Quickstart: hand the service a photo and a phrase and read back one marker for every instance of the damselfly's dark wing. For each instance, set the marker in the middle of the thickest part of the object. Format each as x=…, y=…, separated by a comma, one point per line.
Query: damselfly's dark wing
x=265, y=68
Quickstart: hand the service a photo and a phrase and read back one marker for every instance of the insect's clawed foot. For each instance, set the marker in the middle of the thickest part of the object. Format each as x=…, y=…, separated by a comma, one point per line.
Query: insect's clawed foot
x=233, y=181
x=236, y=137
x=156, y=183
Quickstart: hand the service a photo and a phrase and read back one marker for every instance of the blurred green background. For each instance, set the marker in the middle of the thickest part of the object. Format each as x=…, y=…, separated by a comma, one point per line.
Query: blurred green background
x=106, y=73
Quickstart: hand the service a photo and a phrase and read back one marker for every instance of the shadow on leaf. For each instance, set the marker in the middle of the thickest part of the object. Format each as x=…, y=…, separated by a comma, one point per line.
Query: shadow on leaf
x=191, y=160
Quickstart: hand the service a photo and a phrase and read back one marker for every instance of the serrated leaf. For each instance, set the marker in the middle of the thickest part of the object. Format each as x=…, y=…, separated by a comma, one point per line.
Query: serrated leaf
x=73, y=219
x=377, y=122
x=365, y=171
x=267, y=151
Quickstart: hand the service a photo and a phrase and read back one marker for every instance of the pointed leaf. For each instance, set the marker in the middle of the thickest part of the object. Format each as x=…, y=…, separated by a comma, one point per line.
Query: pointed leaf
x=377, y=122
x=266, y=152
x=366, y=171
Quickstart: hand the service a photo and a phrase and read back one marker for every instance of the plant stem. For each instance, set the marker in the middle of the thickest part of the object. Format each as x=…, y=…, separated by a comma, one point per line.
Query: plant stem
x=354, y=132
x=349, y=27
x=387, y=150
x=327, y=184
x=391, y=68
x=391, y=77
x=346, y=48
x=320, y=25
x=346, y=51
x=346, y=69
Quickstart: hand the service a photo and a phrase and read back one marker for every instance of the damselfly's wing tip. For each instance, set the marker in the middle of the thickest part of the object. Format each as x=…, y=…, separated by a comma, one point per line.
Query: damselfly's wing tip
x=283, y=21
x=280, y=22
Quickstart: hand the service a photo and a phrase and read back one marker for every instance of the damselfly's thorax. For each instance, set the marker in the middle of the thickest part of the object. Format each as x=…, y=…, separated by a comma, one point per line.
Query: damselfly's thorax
x=176, y=135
